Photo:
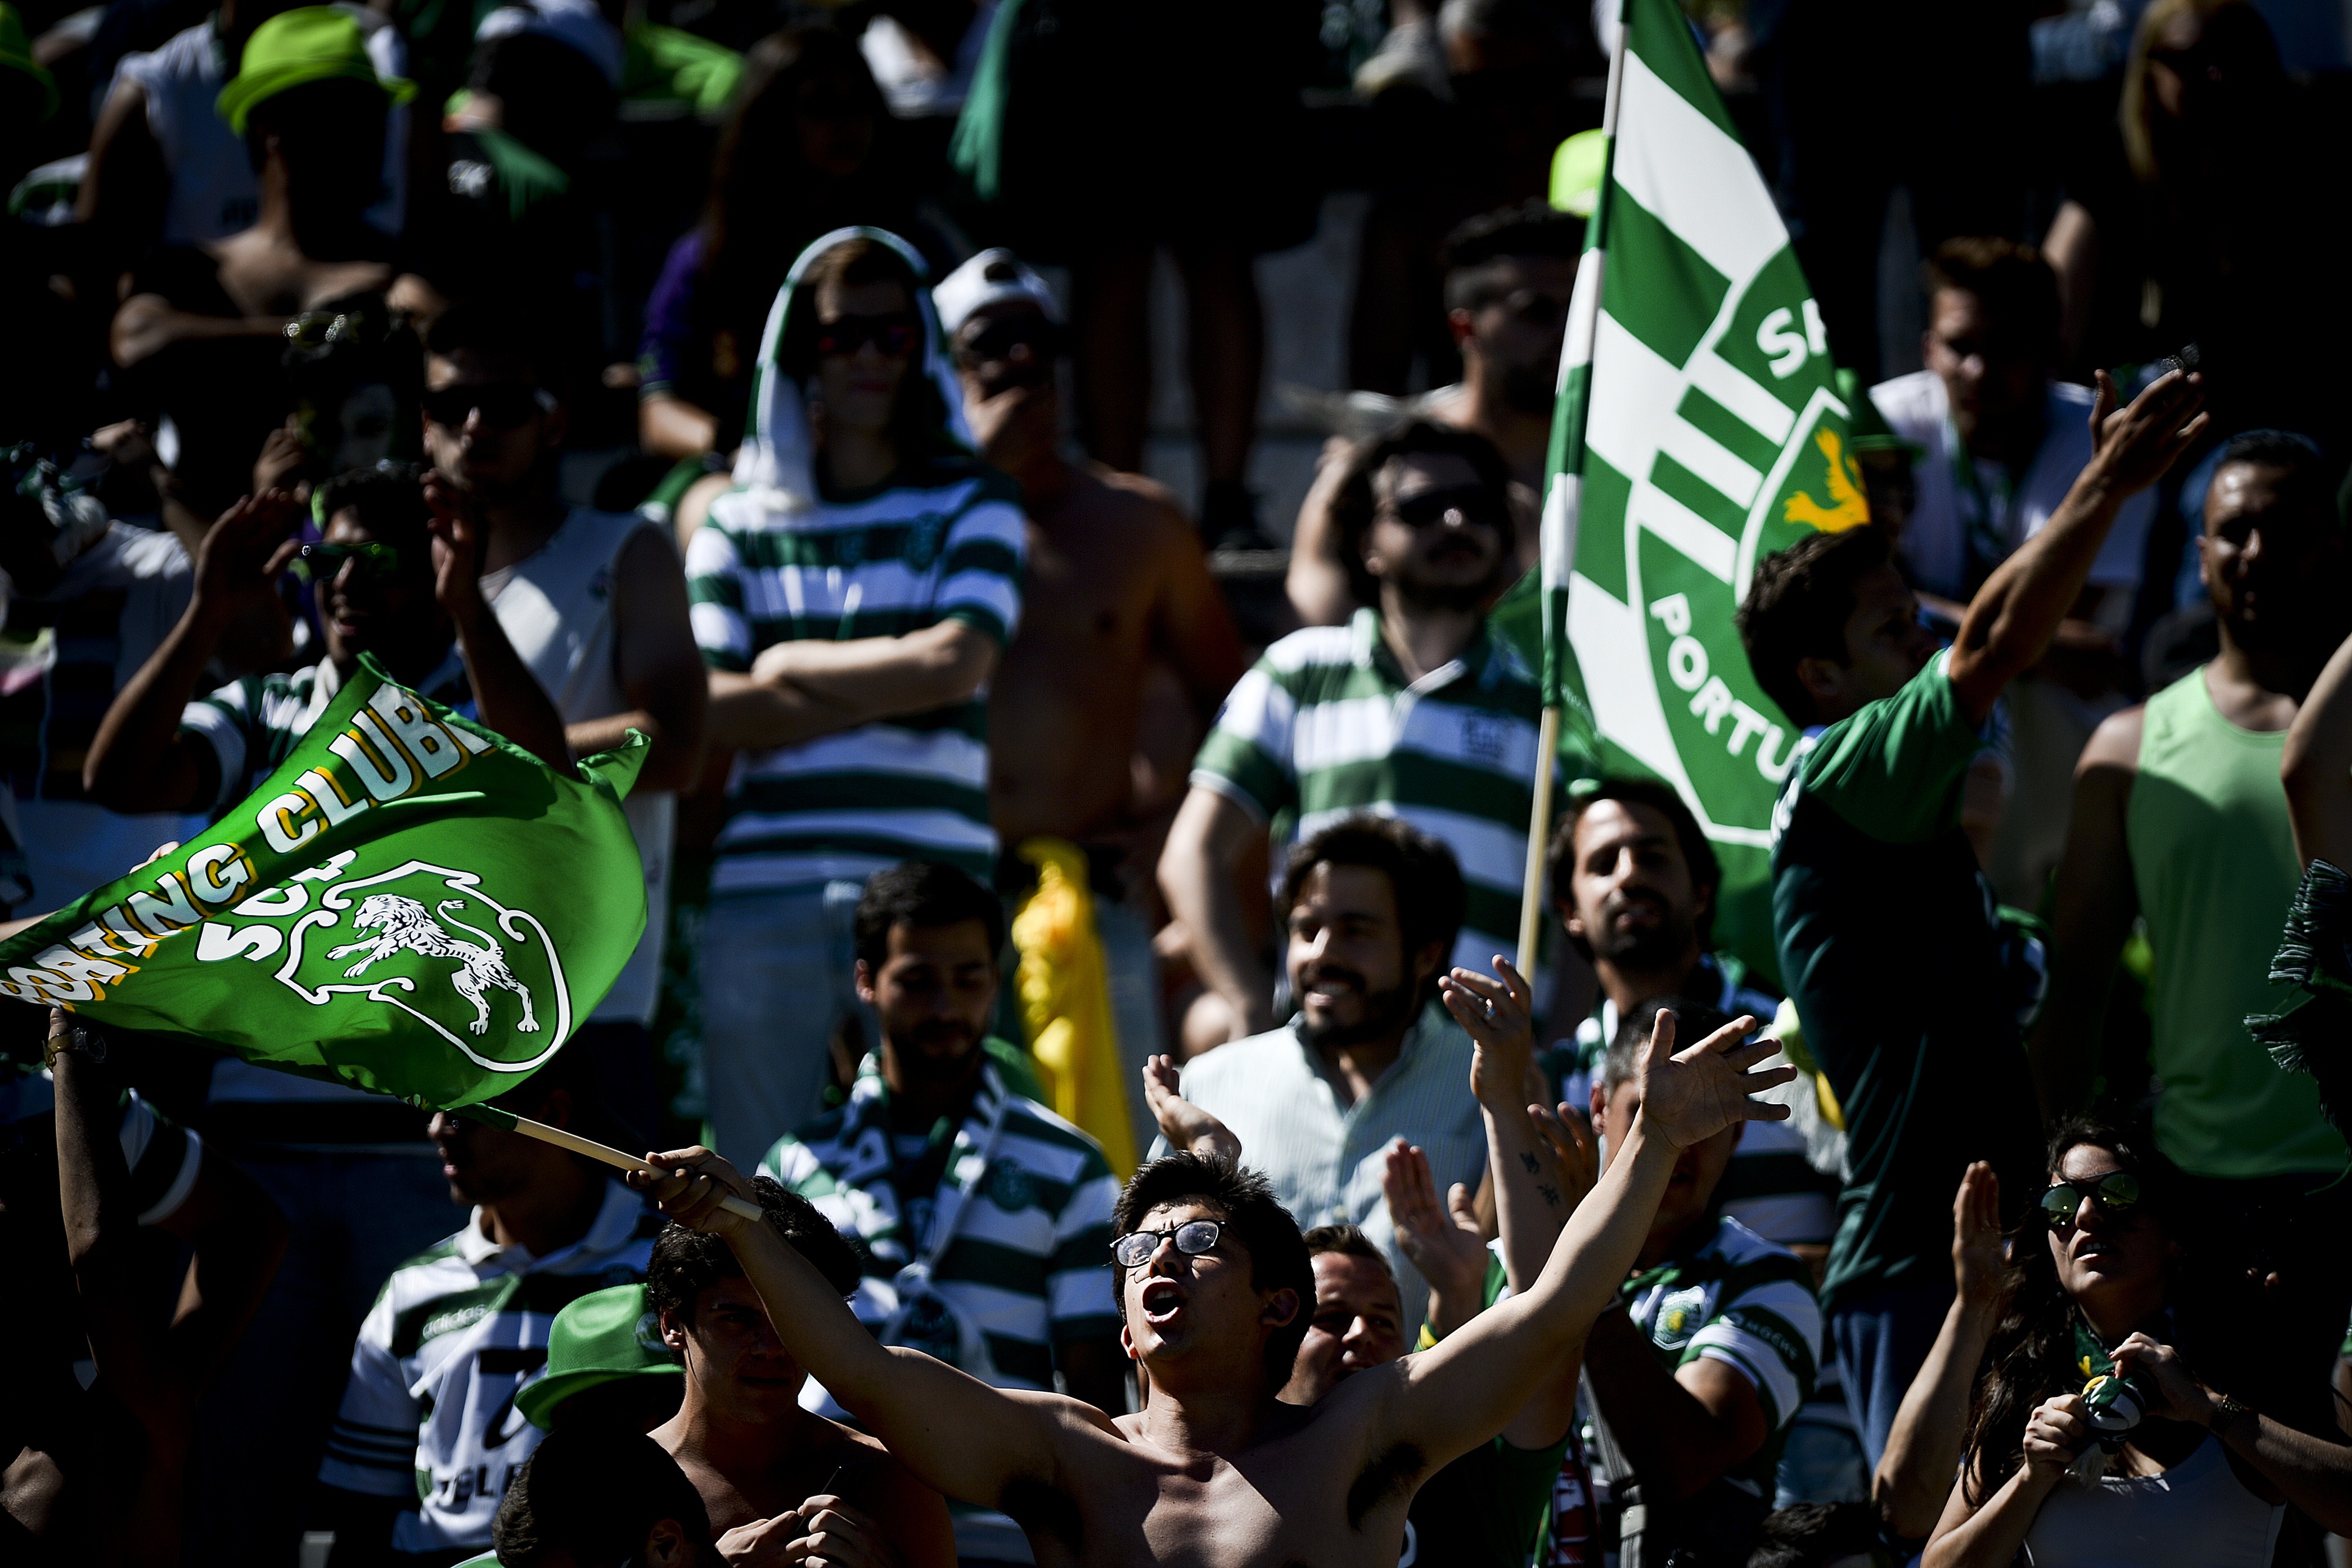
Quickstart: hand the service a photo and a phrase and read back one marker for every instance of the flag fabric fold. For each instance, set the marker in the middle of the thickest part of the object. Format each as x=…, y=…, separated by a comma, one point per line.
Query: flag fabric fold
x=1699, y=430
x=409, y=904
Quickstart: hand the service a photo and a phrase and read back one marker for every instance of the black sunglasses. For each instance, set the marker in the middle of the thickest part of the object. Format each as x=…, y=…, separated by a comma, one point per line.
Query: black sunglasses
x=321, y=562
x=503, y=404
x=1193, y=1237
x=2114, y=1193
x=1476, y=503
x=998, y=338
x=843, y=336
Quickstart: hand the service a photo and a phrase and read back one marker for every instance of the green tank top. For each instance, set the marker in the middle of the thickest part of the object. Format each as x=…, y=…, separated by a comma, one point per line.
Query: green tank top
x=2213, y=854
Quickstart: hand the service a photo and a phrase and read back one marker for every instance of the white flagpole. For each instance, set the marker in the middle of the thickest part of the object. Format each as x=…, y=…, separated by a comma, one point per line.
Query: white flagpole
x=1562, y=507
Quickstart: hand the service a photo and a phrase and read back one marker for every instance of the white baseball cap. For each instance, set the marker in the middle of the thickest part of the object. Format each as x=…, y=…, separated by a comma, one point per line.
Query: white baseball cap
x=992, y=278
x=575, y=22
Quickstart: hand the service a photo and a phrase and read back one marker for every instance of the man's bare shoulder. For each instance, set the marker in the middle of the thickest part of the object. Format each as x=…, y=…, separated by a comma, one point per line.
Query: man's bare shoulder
x=2115, y=745
x=1134, y=500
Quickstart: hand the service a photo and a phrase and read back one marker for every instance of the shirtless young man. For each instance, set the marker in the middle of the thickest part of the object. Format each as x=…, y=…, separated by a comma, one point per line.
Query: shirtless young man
x=1215, y=1470
x=1116, y=580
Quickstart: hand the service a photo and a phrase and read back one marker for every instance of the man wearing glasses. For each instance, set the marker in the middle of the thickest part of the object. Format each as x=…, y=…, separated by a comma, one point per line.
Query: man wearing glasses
x=1215, y=1292
x=1409, y=710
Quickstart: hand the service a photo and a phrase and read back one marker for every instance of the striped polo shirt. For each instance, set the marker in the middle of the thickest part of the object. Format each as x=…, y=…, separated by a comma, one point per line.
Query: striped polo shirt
x=1327, y=725
x=253, y=725
x=429, y=1411
x=1324, y=1157
x=944, y=544
x=1021, y=1198
x=1730, y=1295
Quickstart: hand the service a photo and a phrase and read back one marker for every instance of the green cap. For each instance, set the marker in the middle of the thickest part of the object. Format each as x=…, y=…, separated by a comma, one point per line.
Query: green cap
x=601, y=1338
x=1576, y=165
x=1866, y=428
x=311, y=43
x=16, y=55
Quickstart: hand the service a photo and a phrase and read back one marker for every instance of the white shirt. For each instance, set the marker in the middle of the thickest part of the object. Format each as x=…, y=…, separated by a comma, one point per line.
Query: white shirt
x=1324, y=1158
x=556, y=606
x=1934, y=547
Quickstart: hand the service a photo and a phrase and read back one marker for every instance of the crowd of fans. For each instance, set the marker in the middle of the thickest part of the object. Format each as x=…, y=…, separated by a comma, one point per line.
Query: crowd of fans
x=1095, y=968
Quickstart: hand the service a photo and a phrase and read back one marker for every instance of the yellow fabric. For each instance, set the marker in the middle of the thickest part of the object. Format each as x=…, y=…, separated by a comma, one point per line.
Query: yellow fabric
x=1064, y=991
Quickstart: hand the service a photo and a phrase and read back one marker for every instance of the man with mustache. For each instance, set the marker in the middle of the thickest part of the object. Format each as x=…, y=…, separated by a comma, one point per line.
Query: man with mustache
x=982, y=1220
x=1371, y=906
x=1411, y=710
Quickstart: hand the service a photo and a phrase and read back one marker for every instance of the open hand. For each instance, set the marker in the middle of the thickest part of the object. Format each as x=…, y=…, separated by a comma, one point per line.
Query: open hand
x=689, y=1184
x=2178, y=1397
x=247, y=546
x=1496, y=1012
x=1979, y=1260
x=284, y=454
x=1443, y=1241
x=2058, y=1429
x=1185, y=1125
x=457, y=538
x=1688, y=1096
x=1576, y=1161
x=2137, y=443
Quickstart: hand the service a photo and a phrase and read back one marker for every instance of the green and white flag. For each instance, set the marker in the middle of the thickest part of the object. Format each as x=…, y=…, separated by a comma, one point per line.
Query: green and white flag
x=409, y=904
x=1699, y=430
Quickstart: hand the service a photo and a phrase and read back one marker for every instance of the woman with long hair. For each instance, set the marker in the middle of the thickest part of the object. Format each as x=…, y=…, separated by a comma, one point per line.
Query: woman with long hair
x=2103, y=1287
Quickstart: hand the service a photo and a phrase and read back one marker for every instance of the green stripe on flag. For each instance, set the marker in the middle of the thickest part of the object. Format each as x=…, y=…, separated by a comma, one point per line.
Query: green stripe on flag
x=1681, y=292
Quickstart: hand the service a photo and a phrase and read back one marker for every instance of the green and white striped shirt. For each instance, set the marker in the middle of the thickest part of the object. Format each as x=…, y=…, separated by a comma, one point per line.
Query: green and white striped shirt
x=1016, y=1201
x=1326, y=726
x=253, y=725
x=946, y=544
x=1740, y=1300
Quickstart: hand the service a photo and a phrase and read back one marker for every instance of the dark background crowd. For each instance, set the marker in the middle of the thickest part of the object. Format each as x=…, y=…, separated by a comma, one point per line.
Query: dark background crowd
x=1051, y=479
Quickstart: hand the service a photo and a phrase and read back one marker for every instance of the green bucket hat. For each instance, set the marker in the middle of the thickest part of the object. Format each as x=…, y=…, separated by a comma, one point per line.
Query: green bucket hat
x=16, y=55
x=311, y=43
x=601, y=1338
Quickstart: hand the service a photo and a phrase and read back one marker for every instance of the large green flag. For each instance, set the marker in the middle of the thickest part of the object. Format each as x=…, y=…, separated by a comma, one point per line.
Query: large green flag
x=1699, y=430
x=410, y=904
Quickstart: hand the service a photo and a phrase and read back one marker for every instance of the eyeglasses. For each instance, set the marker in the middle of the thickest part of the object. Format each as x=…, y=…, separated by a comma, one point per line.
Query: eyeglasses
x=1476, y=503
x=503, y=404
x=998, y=338
x=2114, y=1193
x=322, y=563
x=1193, y=1237
x=844, y=335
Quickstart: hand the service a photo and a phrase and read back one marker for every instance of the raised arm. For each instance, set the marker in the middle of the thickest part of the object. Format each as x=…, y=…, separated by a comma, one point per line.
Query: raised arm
x=139, y=760
x=1923, y=1448
x=506, y=695
x=2015, y=614
x=2097, y=901
x=926, y=1411
x=1187, y=1127
x=1446, y=1400
x=2317, y=767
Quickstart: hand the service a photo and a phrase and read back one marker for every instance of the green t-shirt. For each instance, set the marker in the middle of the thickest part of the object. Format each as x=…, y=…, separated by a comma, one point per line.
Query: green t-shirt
x=1912, y=988
x=1488, y=1507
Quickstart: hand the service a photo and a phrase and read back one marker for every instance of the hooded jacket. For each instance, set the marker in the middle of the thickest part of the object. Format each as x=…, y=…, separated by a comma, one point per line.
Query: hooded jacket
x=780, y=560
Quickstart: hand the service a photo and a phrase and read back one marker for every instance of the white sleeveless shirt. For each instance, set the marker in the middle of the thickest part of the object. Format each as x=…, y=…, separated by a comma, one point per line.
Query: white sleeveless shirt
x=2196, y=1514
x=556, y=606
